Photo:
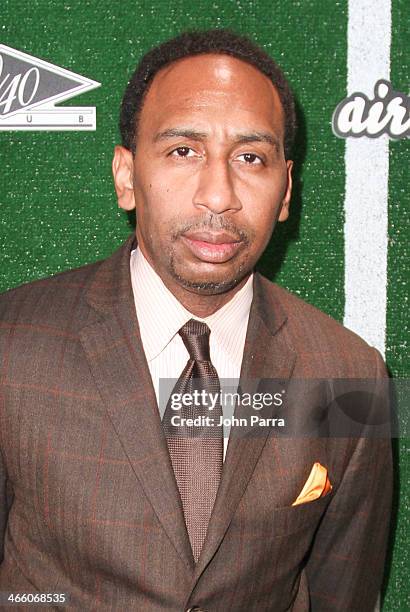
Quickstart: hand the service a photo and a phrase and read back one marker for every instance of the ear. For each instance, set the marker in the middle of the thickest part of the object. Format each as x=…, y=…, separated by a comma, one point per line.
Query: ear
x=122, y=170
x=284, y=211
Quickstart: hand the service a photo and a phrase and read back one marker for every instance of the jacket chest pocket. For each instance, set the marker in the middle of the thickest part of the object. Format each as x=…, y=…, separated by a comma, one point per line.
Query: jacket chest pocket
x=267, y=521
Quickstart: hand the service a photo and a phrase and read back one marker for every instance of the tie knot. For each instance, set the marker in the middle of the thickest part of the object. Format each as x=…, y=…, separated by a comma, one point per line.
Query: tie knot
x=195, y=336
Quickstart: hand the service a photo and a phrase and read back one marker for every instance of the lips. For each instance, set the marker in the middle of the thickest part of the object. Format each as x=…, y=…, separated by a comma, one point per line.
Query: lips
x=212, y=237
x=212, y=247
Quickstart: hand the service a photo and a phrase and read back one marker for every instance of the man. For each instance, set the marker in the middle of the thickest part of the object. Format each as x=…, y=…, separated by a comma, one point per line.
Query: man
x=100, y=499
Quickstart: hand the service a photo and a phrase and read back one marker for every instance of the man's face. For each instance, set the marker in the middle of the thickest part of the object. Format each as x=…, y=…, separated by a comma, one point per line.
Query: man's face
x=209, y=178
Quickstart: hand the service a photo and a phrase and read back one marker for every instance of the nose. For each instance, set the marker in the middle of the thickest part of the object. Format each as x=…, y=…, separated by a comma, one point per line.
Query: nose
x=215, y=190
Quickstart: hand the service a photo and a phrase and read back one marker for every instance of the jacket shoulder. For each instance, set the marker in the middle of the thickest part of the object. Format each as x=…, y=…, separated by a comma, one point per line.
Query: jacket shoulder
x=322, y=341
x=48, y=299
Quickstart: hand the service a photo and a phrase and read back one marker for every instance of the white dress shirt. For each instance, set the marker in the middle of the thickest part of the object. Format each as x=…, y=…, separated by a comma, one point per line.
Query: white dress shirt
x=160, y=317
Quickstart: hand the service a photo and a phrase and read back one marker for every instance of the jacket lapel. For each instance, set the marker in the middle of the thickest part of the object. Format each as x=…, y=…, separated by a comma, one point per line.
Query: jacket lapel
x=266, y=356
x=113, y=346
x=114, y=350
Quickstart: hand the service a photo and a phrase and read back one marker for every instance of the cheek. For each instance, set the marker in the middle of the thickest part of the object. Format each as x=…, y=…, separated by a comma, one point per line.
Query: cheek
x=161, y=210
x=150, y=202
x=261, y=197
x=259, y=216
x=165, y=193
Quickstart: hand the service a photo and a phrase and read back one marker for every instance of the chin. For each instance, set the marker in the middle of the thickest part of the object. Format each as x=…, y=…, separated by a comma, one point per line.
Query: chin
x=207, y=284
x=207, y=287
x=205, y=278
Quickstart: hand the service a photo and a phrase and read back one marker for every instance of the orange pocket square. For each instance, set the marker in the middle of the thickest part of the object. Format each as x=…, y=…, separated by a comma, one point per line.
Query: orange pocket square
x=317, y=485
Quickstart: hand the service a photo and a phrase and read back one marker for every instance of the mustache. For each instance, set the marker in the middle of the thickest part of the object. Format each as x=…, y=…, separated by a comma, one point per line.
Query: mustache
x=210, y=223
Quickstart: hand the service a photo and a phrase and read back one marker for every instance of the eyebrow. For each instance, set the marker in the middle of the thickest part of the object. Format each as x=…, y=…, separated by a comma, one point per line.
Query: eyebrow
x=180, y=132
x=237, y=139
x=259, y=137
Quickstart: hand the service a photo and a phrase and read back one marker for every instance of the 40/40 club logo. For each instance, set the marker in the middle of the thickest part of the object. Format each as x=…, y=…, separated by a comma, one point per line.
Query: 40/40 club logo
x=29, y=89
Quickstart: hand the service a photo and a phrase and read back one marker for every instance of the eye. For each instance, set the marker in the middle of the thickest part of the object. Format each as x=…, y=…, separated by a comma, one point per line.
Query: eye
x=250, y=158
x=182, y=152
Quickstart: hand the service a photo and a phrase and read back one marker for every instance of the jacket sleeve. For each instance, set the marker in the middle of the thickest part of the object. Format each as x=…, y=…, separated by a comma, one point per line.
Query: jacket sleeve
x=4, y=505
x=346, y=563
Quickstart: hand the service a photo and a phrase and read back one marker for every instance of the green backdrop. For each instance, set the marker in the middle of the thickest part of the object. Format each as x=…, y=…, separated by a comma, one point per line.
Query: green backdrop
x=58, y=208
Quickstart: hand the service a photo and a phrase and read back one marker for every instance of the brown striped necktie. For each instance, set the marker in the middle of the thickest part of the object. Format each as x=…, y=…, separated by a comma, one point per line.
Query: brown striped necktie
x=196, y=451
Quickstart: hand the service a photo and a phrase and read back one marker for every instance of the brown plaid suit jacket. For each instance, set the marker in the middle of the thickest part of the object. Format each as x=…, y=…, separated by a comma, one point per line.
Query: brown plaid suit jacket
x=88, y=500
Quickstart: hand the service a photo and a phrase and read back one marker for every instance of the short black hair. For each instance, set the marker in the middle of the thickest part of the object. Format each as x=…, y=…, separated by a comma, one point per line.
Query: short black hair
x=219, y=41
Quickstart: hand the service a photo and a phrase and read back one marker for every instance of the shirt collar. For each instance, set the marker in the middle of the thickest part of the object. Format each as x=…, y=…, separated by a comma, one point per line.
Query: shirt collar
x=160, y=315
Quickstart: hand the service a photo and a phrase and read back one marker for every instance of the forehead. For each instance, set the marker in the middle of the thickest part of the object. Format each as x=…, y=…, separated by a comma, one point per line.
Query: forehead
x=213, y=88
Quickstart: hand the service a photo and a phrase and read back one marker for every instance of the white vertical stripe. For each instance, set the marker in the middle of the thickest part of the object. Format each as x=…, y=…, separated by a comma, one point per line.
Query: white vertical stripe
x=367, y=173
